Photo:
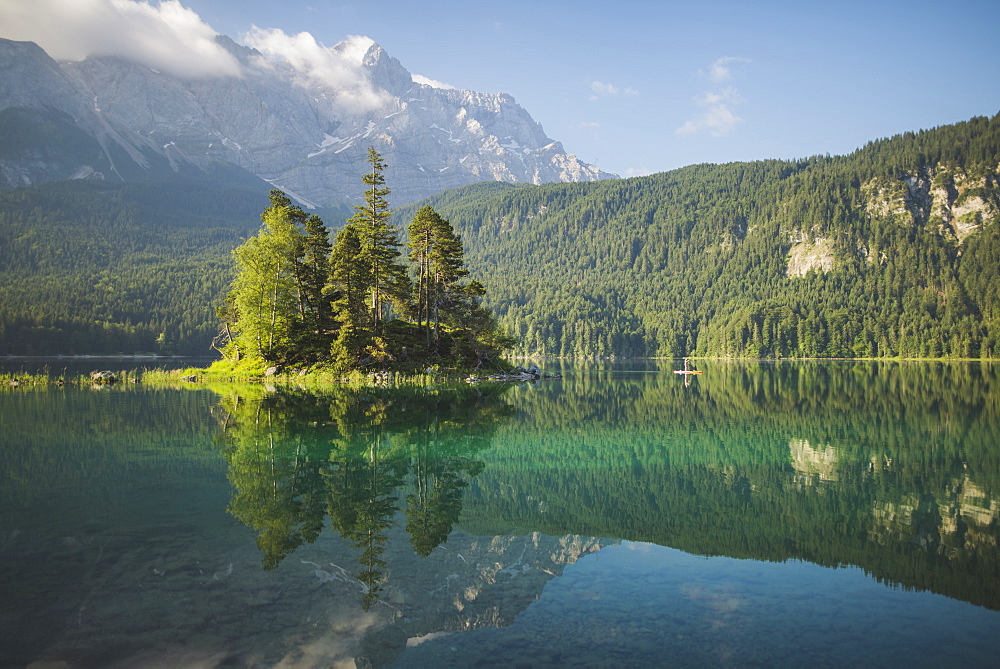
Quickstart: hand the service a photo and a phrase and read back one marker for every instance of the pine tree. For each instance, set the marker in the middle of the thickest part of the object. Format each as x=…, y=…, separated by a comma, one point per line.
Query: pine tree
x=379, y=244
x=439, y=258
x=349, y=279
x=313, y=272
x=421, y=234
x=348, y=291
x=447, y=267
x=441, y=298
x=299, y=299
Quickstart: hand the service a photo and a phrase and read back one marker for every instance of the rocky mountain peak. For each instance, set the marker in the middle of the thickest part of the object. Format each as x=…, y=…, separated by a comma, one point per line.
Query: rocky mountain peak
x=387, y=72
x=30, y=78
x=299, y=132
x=242, y=53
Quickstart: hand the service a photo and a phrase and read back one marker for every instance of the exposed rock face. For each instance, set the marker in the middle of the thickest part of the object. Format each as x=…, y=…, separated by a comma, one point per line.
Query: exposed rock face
x=287, y=127
x=810, y=255
x=946, y=199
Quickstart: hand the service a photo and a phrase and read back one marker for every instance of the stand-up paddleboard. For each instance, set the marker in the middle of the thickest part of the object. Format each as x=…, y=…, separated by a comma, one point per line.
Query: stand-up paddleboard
x=686, y=370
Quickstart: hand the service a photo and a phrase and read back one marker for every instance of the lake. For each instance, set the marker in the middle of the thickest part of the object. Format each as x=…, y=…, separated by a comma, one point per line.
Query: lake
x=760, y=514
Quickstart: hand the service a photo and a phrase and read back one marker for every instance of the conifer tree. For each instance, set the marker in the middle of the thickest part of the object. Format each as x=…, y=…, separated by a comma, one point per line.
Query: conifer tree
x=447, y=267
x=441, y=298
x=438, y=256
x=379, y=244
x=313, y=272
x=298, y=299
x=348, y=292
x=421, y=234
x=349, y=280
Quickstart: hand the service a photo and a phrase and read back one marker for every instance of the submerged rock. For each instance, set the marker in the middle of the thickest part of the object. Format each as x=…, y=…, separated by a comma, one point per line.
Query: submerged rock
x=103, y=377
x=517, y=375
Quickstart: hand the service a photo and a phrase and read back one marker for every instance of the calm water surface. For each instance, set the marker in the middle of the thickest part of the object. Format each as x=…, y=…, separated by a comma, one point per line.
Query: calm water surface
x=793, y=514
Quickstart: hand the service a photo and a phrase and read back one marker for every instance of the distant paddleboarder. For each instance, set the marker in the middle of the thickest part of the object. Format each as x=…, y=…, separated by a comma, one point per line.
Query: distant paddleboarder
x=686, y=370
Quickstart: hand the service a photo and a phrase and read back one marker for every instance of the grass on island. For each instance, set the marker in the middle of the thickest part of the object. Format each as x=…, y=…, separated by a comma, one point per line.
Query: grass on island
x=225, y=372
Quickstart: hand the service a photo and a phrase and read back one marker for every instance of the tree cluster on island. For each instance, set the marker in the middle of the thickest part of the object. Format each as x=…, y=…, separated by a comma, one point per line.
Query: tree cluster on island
x=300, y=300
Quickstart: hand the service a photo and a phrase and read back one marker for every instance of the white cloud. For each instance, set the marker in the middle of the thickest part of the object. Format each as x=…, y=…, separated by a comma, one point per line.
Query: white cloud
x=173, y=39
x=603, y=90
x=720, y=71
x=166, y=36
x=718, y=117
x=426, y=81
x=719, y=121
x=338, y=67
x=638, y=172
x=590, y=124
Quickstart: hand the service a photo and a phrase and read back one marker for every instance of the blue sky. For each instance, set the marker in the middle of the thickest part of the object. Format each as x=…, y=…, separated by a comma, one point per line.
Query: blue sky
x=643, y=86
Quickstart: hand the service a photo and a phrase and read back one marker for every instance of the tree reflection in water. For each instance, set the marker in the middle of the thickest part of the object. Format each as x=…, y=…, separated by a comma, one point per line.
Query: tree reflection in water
x=358, y=457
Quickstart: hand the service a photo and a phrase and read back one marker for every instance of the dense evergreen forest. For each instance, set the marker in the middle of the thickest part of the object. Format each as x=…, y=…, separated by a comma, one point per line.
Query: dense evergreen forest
x=94, y=268
x=893, y=250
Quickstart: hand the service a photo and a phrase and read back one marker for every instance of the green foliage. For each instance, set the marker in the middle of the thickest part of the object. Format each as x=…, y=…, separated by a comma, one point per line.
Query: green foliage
x=692, y=261
x=440, y=297
x=349, y=279
x=314, y=273
x=267, y=293
x=695, y=261
x=379, y=243
x=93, y=268
x=297, y=299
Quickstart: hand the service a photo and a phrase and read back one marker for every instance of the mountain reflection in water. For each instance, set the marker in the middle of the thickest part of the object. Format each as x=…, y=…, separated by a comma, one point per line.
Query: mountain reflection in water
x=461, y=526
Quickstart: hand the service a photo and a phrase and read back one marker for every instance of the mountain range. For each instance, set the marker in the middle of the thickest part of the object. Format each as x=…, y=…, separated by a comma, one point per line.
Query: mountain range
x=111, y=119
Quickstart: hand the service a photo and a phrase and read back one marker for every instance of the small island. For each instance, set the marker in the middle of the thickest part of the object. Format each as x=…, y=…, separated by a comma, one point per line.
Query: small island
x=299, y=302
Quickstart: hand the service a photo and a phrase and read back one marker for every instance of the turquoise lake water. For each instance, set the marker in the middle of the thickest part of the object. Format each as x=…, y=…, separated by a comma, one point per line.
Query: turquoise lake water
x=761, y=514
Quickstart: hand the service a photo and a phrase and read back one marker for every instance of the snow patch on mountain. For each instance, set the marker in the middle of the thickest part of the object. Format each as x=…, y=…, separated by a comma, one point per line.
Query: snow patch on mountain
x=290, y=91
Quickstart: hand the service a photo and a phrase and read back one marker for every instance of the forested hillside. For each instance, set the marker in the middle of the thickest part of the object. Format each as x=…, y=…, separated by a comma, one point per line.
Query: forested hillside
x=95, y=268
x=892, y=250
